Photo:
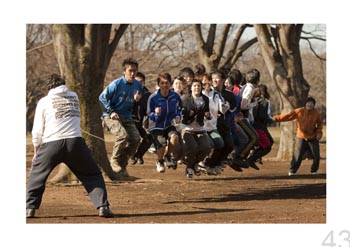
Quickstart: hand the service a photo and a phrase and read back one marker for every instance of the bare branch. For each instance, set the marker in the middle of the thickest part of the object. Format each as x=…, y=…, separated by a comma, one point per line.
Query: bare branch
x=39, y=47
x=312, y=49
x=211, y=37
x=222, y=41
x=118, y=33
x=233, y=48
x=243, y=48
x=198, y=35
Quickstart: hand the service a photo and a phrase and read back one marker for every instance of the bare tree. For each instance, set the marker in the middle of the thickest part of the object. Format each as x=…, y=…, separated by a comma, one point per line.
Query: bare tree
x=84, y=53
x=40, y=63
x=279, y=46
x=212, y=49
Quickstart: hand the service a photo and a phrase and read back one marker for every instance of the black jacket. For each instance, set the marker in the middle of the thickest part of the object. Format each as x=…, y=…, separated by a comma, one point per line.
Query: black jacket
x=190, y=112
x=140, y=108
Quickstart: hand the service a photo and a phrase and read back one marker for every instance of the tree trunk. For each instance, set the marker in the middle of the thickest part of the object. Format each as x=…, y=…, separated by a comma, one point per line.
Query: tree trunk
x=83, y=53
x=284, y=64
x=211, y=53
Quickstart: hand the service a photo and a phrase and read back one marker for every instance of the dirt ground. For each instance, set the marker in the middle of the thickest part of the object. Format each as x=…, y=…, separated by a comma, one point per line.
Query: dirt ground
x=265, y=196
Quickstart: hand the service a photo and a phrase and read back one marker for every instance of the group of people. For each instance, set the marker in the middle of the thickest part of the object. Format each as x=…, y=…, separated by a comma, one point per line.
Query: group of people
x=202, y=120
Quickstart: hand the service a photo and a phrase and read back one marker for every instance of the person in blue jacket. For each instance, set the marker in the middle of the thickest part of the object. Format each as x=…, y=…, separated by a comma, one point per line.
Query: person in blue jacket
x=164, y=111
x=118, y=100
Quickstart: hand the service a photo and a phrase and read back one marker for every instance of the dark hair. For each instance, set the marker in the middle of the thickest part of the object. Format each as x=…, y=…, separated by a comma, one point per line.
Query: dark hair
x=141, y=75
x=244, y=81
x=310, y=99
x=186, y=71
x=196, y=81
x=230, y=80
x=180, y=78
x=207, y=75
x=163, y=77
x=253, y=76
x=200, y=70
x=54, y=81
x=219, y=73
x=263, y=89
x=130, y=62
x=235, y=77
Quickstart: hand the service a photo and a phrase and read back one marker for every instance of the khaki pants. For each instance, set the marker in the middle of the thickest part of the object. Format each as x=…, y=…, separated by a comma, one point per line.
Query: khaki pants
x=126, y=142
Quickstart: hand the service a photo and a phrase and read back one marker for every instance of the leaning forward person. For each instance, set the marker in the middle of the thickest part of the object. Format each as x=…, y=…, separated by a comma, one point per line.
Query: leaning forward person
x=57, y=138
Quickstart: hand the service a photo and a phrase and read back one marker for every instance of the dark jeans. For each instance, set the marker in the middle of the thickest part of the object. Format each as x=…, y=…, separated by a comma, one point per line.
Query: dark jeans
x=146, y=141
x=76, y=155
x=301, y=146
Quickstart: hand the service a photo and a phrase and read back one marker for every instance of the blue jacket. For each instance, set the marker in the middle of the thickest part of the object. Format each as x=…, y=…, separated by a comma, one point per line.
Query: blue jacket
x=171, y=108
x=118, y=97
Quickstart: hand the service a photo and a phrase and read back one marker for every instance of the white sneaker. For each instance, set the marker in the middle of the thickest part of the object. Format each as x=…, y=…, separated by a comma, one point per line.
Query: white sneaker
x=290, y=173
x=170, y=163
x=152, y=150
x=104, y=211
x=160, y=167
x=30, y=212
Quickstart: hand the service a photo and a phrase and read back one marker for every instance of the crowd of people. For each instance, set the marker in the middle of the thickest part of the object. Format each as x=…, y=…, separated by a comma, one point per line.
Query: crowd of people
x=205, y=121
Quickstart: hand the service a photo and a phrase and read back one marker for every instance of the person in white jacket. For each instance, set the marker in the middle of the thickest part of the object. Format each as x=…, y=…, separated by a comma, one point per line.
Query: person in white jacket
x=57, y=138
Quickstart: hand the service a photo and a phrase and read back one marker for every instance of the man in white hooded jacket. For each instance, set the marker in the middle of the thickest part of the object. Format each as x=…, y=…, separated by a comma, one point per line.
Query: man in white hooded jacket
x=57, y=138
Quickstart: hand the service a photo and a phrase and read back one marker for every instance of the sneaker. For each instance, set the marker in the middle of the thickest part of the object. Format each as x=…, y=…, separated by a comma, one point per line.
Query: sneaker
x=225, y=162
x=132, y=161
x=197, y=171
x=210, y=171
x=140, y=161
x=30, y=213
x=259, y=160
x=104, y=211
x=291, y=173
x=160, y=167
x=189, y=172
x=170, y=163
x=253, y=165
x=124, y=172
x=218, y=170
x=239, y=162
x=152, y=150
x=234, y=166
x=116, y=167
x=202, y=167
x=313, y=173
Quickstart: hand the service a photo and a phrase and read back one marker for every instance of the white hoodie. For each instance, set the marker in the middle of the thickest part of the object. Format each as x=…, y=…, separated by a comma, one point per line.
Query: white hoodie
x=57, y=116
x=215, y=106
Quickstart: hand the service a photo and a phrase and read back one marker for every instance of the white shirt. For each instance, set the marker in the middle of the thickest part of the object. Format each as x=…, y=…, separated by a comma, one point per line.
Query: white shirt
x=247, y=102
x=57, y=116
x=215, y=106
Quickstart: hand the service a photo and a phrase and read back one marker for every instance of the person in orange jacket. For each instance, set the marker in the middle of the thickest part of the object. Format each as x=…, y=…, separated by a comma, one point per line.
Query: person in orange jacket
x=309, y=132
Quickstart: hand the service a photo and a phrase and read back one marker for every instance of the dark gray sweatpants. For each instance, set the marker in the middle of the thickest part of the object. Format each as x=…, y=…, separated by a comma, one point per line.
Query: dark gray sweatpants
x=76, y=155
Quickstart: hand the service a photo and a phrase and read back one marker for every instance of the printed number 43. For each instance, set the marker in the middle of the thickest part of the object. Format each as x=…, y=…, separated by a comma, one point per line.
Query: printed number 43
x=330, y=240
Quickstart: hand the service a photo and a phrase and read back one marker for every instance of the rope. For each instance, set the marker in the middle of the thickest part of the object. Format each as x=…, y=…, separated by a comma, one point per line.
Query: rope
x=97, y=137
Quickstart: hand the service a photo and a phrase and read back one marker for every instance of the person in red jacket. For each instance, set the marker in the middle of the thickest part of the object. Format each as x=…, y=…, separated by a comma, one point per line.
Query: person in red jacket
x=309, y=132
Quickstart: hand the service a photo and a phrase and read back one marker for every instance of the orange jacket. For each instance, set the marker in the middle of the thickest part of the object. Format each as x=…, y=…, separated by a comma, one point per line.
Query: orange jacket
x=309, y=122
